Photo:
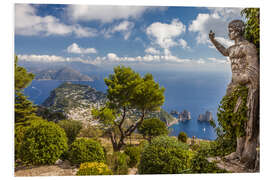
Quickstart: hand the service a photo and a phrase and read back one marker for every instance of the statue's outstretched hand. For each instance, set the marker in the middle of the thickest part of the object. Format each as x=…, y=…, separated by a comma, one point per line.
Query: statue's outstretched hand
x=211, y=35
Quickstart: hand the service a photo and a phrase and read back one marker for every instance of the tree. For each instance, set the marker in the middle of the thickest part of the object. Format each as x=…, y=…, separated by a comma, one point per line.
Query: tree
x=252, y=29
x=130, y=98
x=24, y=109
x=22, y=77
x=182, y=136
x=153, y=127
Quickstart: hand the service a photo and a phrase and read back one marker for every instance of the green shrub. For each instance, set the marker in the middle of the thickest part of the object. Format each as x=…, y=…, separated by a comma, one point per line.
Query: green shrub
x=118, y=163
x=72, y=129
x=85, y=150
x=182, y=137
x=165, y=155
x=134, y=154
x=43, y=143
x=93, y=168
x=199, y=164
x=19, y=134
x=153, y=127
x=194, y=147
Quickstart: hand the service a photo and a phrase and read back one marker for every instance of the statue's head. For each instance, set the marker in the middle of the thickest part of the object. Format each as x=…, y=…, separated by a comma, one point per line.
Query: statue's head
x=236, y=29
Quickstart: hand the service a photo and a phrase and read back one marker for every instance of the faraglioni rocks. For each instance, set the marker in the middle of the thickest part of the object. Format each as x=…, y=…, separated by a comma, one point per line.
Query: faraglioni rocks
x=185, y=115
x=208, y=116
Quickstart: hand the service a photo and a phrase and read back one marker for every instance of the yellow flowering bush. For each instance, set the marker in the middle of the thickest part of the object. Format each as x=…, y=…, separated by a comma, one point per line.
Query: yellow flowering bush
x=93, y=168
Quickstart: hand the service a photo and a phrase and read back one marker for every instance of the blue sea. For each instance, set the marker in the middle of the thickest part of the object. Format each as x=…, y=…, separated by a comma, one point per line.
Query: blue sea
x=196, y=92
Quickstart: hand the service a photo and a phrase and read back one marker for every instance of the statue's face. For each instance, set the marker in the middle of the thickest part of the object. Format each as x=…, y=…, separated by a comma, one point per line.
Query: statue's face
x=233, y=33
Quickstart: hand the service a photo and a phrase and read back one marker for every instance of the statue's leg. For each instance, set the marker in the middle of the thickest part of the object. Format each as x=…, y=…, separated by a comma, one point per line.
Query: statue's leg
x=239, y=149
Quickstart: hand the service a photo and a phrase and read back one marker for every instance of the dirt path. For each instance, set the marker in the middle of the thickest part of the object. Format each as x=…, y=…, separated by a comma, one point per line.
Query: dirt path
x=64, y=169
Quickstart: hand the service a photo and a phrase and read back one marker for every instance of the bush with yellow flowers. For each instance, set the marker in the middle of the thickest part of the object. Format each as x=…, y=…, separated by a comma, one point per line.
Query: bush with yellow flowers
x=93, y=168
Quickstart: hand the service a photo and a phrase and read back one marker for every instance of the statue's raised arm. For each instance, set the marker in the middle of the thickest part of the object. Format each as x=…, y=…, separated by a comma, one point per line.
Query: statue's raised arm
x=219, y=46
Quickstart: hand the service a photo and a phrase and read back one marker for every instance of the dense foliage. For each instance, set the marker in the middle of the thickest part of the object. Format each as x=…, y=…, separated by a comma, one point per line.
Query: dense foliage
x=93, y=168
x=182, y=136
x=134, y=154
x=199, y=164
x=152, y=127
x=165, y=155
x=130, y=97
x=118, y=163
x=86, y=150
x=19, y=134
x=72, y=129
x=43, y=143
x=252, y=28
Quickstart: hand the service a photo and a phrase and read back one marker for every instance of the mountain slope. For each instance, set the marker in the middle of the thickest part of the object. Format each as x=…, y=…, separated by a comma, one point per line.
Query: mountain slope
x=75, y=100
x=64, y=74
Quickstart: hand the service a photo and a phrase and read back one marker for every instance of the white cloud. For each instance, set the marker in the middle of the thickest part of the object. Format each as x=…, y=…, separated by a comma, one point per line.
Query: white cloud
x=124, y=27
x=218, y=61
x=164, y=34
x=75, y=49
x=152, y=50
x=148, y=58
x=52, y=58
x=200, y=61
x=106, y=14
x=44, y=58
x=217, y=20
x=28, y=23
x=183, y=43
x=112, y=56
x=224, y=41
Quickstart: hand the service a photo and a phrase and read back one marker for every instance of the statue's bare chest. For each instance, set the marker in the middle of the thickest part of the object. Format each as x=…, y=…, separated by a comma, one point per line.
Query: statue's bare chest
x=237, y=58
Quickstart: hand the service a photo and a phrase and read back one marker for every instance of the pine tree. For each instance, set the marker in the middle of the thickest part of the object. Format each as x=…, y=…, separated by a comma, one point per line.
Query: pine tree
x=130, y=97
x=22, y=77
x=24, y=109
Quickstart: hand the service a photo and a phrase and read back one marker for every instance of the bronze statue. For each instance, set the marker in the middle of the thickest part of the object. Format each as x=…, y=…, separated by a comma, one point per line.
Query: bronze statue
x=245, y=71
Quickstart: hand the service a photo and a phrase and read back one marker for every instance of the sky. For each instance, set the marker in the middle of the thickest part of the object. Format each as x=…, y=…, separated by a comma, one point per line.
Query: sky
x=159, y=37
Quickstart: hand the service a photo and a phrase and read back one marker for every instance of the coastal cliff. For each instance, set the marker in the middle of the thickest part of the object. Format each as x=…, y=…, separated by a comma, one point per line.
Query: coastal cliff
x=75, y=100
